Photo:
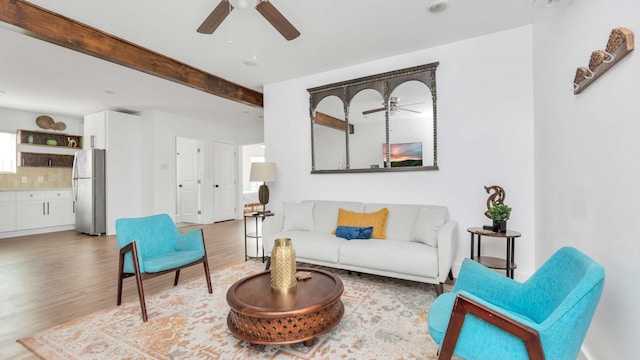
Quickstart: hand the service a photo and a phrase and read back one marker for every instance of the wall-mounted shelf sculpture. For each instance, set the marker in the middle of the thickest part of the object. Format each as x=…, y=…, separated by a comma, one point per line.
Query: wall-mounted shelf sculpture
x=619, y=45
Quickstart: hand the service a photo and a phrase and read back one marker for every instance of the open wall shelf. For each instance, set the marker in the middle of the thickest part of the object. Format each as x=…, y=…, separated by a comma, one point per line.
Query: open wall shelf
x=40, y=138
x=44, y=160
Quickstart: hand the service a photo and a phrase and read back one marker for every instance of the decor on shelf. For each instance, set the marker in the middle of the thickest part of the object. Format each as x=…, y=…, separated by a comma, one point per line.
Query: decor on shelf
x=71, y=142
x=283, y=265
x=499, y=213
x=44, y=121
x=496, y=196
x=47, y=122
x=264, y=171
x=619, y=45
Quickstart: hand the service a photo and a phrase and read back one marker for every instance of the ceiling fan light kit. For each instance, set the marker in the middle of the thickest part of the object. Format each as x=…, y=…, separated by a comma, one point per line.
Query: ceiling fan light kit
x=264, y=7
x=548, y=4
x=438, y=6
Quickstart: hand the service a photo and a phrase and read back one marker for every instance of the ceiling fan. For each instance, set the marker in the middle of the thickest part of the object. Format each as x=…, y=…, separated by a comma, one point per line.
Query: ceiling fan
x=394, y=106
x=264, y=7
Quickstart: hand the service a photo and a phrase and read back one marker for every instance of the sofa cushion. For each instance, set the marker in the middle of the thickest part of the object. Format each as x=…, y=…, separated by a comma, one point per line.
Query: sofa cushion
x=402, y=257
x=298, y=216
x=354, y=232
x=427, y=225
x=325, y=213
x=313, y=245
x=400, y=221
x=377, y=219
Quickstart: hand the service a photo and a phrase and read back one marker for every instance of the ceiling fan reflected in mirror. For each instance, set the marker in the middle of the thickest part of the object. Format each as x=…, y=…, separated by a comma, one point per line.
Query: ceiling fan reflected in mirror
x=264, y=7
x=394, y=107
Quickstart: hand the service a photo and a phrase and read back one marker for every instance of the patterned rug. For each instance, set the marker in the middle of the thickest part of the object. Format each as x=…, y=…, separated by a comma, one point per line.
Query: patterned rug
x=384, y=319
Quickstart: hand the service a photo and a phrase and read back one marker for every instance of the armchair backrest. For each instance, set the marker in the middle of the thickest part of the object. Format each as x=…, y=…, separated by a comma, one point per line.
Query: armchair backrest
x=154, y=235
x=563, y=295
x=564, y=279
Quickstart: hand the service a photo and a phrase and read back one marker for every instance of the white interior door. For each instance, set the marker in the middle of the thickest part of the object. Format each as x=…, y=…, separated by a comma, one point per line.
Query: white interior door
x=224, y=181
x=188, y=152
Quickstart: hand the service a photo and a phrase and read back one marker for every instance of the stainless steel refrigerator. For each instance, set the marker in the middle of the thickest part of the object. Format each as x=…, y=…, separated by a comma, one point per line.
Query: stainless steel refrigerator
x=89, y=191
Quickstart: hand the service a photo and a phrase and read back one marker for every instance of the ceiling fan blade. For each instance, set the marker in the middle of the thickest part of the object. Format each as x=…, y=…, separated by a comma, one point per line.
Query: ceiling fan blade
x=211, y=23
x=367, y=112
x=269, y=12
x=413, y=111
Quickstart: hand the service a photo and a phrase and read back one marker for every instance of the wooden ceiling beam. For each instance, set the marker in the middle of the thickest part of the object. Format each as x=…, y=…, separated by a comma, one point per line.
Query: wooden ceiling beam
x=332, y=122
x=57, y=29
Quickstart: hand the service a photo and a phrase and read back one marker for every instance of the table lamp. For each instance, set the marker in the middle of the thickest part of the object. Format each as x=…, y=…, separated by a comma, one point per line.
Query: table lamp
x=263, y=171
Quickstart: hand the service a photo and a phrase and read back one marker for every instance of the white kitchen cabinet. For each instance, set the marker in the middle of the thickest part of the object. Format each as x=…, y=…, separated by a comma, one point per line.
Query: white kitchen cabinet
x=61, y=207
x=95, y=131
x=41, y=209
x=7, y=211
x=120, y=135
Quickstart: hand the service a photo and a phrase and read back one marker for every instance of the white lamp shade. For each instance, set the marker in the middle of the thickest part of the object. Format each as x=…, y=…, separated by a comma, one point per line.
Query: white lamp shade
x=264, y=171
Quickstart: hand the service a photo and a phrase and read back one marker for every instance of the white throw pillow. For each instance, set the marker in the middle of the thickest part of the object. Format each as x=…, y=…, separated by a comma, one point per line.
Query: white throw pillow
x=298, y=216
x=427, y=225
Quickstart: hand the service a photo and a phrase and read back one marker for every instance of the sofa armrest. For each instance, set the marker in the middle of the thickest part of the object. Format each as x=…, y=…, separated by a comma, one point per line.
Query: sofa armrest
x=447, y=248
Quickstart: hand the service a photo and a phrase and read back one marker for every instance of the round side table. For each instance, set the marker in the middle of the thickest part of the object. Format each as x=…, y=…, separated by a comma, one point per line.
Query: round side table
x=507, y=264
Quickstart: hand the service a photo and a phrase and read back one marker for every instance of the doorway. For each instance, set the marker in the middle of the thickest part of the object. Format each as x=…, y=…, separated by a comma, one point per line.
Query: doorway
x=188, y=173
x=224, y=182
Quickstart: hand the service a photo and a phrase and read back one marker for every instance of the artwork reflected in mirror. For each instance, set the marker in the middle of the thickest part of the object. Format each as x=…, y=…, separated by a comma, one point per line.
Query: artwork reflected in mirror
x=396, y=109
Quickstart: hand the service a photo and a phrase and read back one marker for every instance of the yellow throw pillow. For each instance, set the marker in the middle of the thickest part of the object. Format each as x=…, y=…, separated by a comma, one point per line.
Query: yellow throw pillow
x=377, y=219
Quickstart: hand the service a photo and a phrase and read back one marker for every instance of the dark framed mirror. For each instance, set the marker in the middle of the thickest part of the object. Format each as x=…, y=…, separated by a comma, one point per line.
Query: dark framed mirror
x=378, y=123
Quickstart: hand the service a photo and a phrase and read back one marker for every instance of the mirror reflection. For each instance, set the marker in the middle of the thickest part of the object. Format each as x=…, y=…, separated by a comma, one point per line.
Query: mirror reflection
x=384, y=122
x=411, y=125
x=329, y=146
x=366, y=113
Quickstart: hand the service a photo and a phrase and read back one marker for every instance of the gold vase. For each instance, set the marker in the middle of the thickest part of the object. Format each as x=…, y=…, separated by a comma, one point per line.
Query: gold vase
x=283, y=265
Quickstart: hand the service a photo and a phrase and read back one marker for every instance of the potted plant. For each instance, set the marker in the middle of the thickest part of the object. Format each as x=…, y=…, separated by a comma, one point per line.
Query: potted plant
x=499, y=213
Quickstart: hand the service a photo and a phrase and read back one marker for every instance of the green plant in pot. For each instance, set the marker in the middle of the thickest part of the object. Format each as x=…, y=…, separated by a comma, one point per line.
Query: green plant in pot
x=499, y=213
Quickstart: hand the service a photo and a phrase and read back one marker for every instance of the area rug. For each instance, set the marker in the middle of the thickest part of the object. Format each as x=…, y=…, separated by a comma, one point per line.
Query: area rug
x=384, y=319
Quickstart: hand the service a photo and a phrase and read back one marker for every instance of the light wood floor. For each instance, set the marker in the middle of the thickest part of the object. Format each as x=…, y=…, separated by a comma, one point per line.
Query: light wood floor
x=48, y=279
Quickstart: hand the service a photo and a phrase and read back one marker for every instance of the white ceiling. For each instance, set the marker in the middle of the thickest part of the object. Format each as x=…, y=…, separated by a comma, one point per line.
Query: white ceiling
x=41, y=77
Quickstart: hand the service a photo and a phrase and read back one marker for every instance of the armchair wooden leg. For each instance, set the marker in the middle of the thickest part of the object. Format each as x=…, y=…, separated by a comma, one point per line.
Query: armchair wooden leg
x=464, y=306
x=175, y=281
x=136, y=266
x=207, y=274
x=120, y=278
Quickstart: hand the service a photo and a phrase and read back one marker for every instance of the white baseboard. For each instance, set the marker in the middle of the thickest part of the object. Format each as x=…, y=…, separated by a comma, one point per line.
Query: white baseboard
x=10, y=234
x=584, y=354
x=517, y=275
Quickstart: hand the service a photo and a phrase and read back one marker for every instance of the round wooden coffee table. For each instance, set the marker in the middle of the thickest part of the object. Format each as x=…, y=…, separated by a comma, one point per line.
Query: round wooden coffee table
x=261, y=315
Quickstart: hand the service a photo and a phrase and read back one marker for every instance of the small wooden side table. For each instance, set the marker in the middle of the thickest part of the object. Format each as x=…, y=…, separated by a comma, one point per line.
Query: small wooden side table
x=247, y=235
x=507, y=264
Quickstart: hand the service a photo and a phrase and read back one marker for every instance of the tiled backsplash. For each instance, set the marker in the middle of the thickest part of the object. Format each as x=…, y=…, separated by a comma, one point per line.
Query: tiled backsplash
x=36, y=177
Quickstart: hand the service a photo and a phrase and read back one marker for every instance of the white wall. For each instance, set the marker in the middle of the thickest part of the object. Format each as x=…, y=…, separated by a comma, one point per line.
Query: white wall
x=12, y=120
x=586, y=152
x=160, y=131
x=485, y=137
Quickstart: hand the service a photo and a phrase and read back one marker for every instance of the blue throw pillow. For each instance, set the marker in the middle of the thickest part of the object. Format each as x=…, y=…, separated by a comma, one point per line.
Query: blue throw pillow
x=353, y=232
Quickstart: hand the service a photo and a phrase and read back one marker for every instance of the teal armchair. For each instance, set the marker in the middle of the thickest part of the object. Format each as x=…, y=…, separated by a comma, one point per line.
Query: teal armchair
x=152, y=246
x=489, y=316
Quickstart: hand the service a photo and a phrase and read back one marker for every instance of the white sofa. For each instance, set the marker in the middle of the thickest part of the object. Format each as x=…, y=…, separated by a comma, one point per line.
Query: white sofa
x=420, y=245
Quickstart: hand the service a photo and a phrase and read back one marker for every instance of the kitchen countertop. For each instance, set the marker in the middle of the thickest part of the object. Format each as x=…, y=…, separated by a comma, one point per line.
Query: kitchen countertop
x=33, y=189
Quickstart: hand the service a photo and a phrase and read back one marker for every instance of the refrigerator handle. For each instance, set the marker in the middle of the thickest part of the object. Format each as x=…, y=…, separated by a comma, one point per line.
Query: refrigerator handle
x=74, y=177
